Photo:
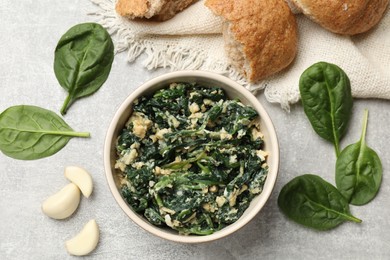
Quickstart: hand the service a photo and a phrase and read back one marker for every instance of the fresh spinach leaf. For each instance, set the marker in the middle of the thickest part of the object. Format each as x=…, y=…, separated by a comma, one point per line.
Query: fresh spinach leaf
x=30, y=132
x=313, y=202
x=82, y=61
x=327, y=100
x=359, y=171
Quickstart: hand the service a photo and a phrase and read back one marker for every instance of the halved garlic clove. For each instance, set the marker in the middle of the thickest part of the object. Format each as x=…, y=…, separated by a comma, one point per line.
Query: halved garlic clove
x=62, y=204
x=85, y=241
x=81, y=178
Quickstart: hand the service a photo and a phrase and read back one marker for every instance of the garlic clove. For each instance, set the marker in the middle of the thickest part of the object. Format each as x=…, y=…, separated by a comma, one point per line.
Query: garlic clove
x=85, y=241
x=62, y=204
x=81, y=178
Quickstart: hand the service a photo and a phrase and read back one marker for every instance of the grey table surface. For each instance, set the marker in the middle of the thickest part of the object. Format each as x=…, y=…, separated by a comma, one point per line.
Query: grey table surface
x=29, y=33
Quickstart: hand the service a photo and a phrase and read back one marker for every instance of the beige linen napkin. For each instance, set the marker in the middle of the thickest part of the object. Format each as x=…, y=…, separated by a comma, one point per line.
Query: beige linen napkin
x=193, y=40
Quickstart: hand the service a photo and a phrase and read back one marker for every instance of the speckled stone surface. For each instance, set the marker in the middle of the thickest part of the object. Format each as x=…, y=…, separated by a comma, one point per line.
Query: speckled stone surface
x=29, y=33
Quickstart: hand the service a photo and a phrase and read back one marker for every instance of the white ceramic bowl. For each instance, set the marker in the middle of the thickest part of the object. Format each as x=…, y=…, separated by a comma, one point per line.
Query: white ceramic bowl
x=233, y=90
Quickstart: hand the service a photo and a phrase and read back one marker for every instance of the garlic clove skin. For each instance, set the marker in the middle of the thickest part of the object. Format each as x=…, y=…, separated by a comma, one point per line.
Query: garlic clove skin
x=85, y=241
x=81, y=178
x=62, y=204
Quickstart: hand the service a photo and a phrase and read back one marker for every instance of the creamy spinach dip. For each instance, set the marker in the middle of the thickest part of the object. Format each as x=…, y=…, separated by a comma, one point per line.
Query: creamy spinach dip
x=190, y=158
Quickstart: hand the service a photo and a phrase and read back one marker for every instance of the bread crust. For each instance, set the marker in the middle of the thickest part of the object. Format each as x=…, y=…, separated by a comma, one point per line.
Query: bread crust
x=344, y=16
x=132, y=8
x=265, y=32
x=172, y=7
x=159, y=10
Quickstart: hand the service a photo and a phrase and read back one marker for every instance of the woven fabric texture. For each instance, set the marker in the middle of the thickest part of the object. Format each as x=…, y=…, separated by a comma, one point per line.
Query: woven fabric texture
x=193, y=40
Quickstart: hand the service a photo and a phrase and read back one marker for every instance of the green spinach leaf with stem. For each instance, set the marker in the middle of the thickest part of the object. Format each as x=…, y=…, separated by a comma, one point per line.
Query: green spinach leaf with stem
x=327, y=100
x=359, y=171
x=313, y=202
x=30, y=132
x=82, y=61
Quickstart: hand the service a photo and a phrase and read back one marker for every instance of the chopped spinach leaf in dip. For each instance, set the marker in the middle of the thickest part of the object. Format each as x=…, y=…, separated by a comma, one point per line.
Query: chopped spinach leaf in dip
x=191, y=159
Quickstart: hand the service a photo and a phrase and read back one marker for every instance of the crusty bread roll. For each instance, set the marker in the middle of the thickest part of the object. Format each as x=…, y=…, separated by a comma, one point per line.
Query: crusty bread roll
x=159, y=10
x=344, y=16
x=260, y=35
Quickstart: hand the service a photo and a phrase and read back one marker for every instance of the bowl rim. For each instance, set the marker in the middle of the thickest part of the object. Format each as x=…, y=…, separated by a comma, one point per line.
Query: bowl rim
x=271, y=177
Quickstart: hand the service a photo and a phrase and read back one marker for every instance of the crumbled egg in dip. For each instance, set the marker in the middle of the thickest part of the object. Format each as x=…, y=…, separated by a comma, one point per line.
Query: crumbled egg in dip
x=191, y=159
